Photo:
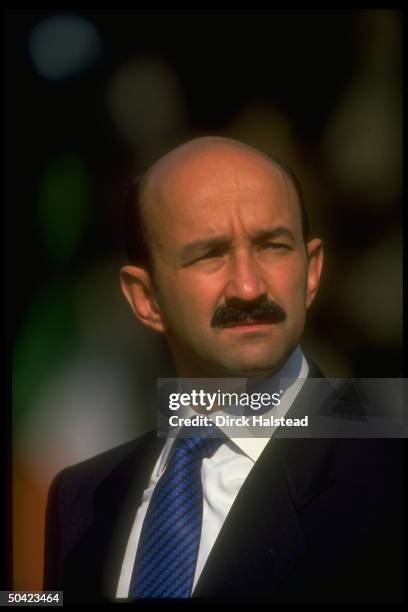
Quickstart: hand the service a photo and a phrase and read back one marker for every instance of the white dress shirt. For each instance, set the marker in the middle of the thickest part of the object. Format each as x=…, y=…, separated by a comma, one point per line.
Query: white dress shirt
x=222, y=475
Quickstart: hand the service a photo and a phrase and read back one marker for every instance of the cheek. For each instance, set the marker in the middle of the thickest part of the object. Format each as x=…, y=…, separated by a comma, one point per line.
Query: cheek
x=288, y=283
x=187, y=296
x=202, y=295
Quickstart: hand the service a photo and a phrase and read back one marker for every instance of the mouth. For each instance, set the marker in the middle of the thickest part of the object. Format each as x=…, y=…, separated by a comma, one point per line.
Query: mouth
x=250, y=324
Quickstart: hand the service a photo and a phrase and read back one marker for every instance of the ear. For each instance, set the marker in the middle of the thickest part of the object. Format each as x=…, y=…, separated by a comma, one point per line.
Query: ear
x=137, y=287
x=315, y=264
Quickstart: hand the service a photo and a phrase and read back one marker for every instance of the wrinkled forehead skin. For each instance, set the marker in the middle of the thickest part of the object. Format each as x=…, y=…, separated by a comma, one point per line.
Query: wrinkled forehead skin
x=196, y=178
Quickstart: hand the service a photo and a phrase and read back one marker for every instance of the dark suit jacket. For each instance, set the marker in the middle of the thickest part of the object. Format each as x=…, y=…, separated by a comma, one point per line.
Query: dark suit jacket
x=316, y=520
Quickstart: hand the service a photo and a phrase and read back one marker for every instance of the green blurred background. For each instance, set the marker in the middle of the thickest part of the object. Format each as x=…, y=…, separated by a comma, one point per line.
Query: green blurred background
x=91, y=93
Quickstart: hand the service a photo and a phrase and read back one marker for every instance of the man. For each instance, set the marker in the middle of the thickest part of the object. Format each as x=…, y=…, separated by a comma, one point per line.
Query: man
x=225, y=269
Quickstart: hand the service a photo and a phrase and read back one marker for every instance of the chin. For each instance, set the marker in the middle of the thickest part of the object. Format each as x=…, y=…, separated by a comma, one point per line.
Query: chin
x=256, y=367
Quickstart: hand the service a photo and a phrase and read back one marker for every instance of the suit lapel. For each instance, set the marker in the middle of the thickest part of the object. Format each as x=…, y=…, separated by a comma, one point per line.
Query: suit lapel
x=262, y=539
x=95, y=563
x=133, y=479
x=260, y=535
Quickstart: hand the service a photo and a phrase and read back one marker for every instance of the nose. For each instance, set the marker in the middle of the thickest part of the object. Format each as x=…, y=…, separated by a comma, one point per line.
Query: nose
x=246, y=279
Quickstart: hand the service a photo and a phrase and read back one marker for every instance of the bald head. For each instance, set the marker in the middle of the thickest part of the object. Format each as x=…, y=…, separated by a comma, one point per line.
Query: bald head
x=218, y=148
x=199, y=170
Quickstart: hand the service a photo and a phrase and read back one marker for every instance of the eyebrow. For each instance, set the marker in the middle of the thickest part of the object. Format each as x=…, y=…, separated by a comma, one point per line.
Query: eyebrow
x=273, y=233
x=220, y=242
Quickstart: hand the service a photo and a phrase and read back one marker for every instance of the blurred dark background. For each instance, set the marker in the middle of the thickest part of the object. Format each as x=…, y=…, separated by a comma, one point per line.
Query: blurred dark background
x=91, y=94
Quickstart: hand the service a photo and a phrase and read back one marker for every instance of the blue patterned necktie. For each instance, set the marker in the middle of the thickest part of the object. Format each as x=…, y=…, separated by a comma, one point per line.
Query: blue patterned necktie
x=170, y=537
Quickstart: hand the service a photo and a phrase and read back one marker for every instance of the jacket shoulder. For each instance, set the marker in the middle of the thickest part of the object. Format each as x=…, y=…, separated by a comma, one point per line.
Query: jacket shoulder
x=91, y=472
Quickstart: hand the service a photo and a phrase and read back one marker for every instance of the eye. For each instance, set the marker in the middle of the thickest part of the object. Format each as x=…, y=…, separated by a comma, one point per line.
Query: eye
x=211, y=254
x=266, y=246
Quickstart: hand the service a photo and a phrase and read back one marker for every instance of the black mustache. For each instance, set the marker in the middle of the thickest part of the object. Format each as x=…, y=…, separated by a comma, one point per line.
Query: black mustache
x=237, y=311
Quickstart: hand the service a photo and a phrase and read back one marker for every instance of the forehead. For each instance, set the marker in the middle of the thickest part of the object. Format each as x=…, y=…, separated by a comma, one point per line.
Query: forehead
x=193, y=189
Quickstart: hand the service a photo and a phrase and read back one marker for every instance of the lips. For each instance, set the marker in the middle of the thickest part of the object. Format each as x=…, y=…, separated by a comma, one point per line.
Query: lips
x=246, y=323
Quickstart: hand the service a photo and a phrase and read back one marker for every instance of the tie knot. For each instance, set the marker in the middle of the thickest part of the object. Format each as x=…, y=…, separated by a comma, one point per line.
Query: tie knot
x=202, y=441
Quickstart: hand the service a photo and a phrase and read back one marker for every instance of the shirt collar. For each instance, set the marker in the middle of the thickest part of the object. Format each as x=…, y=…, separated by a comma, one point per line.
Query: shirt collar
x=291, y=378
